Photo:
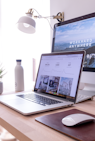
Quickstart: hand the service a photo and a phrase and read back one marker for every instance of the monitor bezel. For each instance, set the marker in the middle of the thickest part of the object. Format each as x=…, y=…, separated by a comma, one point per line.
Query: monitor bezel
x=71, y=21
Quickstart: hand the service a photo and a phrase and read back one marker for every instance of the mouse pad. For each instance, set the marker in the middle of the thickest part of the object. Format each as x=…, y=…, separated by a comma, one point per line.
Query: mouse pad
x=82, y=132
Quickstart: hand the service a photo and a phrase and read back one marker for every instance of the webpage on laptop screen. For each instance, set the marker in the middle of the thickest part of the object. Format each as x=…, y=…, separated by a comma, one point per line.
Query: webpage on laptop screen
x=58, y=74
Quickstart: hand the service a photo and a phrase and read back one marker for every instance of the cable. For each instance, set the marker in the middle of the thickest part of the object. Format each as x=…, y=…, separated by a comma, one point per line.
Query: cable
x=49, y=23
x=39, y=16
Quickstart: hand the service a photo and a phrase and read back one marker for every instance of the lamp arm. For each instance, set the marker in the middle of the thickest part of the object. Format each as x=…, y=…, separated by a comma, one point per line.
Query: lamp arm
x=59, y=16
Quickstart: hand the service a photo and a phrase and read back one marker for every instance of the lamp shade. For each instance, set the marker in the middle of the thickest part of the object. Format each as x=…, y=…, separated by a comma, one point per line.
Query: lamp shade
x=26, y=24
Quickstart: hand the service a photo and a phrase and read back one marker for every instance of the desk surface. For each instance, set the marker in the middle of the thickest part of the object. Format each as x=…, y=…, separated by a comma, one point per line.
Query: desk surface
x=25, y=128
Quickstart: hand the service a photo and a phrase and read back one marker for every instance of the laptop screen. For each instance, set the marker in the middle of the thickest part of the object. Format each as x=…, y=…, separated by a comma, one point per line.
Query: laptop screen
x=59, y=74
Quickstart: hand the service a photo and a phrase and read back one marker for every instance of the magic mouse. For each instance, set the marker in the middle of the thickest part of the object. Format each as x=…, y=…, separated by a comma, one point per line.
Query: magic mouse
x=75, y=119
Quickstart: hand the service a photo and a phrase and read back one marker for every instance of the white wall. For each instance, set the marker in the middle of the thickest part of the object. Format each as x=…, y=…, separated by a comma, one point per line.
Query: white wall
x=0, y=31
x=18, y=45
x=0, y=14
x=73, y=9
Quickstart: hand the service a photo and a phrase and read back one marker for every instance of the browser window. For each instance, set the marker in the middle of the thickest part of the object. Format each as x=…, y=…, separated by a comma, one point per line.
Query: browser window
x=58, y=74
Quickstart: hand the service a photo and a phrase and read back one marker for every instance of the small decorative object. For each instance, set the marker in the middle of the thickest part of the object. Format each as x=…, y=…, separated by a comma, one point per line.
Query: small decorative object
x=1, y=75
x=19, y=77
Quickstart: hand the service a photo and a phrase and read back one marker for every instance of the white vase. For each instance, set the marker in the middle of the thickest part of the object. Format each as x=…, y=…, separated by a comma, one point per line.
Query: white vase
x=1, y=87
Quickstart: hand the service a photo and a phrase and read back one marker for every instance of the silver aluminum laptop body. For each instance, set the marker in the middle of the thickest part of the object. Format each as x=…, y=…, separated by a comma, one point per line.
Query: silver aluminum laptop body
x=57, y=84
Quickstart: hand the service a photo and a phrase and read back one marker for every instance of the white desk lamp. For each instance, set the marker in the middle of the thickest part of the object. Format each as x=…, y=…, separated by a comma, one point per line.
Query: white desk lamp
x=27, y=24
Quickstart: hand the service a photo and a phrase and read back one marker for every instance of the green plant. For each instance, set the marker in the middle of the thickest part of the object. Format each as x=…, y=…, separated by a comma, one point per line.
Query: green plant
x=2, y=71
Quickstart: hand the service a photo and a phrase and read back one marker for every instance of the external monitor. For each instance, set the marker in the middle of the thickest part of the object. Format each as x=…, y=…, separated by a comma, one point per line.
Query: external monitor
x=78, y=34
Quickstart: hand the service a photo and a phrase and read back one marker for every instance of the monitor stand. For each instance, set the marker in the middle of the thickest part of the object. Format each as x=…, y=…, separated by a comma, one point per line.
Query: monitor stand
x=87, y=81
x=86, y=86
x=88, y=89
x=81, y=86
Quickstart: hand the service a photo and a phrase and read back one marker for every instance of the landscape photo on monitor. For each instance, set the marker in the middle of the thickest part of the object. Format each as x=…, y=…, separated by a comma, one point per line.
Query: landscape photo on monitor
x=76, y=36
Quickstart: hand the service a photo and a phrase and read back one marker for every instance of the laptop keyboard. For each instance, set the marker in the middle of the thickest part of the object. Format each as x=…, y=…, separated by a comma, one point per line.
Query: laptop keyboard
x=39, y=99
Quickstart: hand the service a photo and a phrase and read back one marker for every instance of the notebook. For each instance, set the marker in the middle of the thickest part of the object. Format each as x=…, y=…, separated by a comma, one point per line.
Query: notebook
x=56, y=84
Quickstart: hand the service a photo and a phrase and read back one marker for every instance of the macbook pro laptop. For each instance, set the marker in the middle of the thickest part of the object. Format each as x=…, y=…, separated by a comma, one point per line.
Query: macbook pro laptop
x=56, y=84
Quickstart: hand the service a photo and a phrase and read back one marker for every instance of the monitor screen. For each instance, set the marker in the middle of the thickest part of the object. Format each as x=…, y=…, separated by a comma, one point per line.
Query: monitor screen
x=77, y=34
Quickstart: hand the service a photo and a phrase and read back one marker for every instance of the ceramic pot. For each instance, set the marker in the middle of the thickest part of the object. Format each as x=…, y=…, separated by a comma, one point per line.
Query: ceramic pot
x=1, y=87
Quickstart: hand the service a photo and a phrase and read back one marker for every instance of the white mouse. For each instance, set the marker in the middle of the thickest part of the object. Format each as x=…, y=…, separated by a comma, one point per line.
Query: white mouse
x=75, y=119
